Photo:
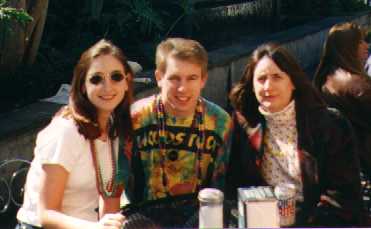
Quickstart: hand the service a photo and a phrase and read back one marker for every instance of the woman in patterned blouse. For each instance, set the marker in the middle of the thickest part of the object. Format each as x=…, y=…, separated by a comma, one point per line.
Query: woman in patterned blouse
x=286, y=134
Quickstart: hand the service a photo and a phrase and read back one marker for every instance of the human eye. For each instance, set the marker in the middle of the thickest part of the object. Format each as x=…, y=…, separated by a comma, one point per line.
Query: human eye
x=261, y=78
x=96, y=79
x=193, y=77
x=174, y=78
x=117, y=76
x=276, y=77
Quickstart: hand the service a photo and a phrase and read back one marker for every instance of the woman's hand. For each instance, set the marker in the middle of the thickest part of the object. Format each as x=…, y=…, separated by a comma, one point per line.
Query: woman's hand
x=112, y=221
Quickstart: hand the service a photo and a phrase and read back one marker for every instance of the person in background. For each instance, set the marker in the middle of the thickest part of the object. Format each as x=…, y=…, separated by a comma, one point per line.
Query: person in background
x=344, y=84
x=75, y=165
x=367, y=65
x=285, y=134
x=182, y=140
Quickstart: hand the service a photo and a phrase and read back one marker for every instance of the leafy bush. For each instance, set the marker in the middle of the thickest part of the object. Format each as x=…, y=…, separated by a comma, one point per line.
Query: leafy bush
x=8, y=15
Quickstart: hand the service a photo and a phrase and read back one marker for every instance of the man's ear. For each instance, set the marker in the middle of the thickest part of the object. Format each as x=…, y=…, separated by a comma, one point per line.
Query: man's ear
x=204, y=80
x=159, y=75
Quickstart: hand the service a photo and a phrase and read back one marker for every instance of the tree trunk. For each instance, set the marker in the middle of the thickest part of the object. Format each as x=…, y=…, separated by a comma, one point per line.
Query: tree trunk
x=21, y=45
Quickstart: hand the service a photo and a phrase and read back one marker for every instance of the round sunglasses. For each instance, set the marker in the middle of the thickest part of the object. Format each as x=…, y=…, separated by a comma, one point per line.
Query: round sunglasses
x=97, y=78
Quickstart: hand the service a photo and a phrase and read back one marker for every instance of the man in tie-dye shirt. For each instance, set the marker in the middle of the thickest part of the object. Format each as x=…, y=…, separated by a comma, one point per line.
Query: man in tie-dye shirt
x=182, y=141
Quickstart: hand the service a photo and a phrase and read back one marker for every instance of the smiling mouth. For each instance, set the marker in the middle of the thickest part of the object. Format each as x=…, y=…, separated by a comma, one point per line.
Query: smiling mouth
x=107, y=97
x=269, y=96
x=183, y=99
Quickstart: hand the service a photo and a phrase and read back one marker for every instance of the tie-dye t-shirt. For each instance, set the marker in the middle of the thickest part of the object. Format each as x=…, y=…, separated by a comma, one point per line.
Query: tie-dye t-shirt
x=181, y=148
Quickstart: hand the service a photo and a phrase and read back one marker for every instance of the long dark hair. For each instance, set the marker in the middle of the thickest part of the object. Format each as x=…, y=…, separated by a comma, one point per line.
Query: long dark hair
x=82, y=111
x=340, y=51
x=243, y=98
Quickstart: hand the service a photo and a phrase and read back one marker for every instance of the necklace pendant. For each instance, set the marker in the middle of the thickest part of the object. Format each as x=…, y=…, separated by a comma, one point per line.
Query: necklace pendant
x=173, y=155
x=109, y=186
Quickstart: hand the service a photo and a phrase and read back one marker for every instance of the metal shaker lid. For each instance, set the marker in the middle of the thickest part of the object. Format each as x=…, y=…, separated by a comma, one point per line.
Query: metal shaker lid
x=211, y=195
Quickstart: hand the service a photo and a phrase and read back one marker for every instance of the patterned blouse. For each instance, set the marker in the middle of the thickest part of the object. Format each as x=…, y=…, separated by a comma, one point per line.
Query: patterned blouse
x=280, y=163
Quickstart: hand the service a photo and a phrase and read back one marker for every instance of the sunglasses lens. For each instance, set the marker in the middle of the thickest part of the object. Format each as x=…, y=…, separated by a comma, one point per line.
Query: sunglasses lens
x=96, y=79
x=117, y=77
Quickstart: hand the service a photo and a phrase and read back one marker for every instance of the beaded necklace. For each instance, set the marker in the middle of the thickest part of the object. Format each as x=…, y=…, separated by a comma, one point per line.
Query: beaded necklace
x=109, y=188
x=197, y=122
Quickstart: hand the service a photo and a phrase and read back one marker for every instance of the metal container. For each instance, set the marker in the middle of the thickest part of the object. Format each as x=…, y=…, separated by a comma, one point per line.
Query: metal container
x=211, y=208
x=257, y=208
x=286, y=193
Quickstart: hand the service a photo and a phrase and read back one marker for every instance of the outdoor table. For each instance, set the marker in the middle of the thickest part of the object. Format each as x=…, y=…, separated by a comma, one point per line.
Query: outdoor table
x=173, y=212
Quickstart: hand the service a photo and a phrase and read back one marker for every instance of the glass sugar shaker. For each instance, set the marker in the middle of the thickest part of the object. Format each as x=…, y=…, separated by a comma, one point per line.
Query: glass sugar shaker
x=211, y=208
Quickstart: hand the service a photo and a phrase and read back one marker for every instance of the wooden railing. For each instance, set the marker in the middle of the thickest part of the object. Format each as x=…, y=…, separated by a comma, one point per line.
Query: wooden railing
x=258, y=13
x=220, y=16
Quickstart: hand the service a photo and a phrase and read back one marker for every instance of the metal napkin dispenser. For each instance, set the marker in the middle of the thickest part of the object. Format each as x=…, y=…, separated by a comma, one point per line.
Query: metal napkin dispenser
x=257, y=208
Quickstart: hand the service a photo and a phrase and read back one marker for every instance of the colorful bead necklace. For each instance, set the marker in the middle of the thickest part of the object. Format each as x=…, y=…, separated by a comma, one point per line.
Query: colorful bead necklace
x=197, y=122
x=109, y=188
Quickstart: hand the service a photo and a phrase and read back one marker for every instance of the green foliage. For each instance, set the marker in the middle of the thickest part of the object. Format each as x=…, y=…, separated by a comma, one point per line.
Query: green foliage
x=136, y=23
x=136, y=26
x=8, y=15
x=187, y=12
x=126, y=15
x=95, y=7
x=147, y=17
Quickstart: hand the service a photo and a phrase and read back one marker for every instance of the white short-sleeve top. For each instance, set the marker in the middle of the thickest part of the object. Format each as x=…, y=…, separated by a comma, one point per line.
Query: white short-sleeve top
x=60, y=143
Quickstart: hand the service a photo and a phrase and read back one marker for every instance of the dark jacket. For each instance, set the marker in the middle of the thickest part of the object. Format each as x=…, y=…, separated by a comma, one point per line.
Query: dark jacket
x=329, y=164
x=352, y=97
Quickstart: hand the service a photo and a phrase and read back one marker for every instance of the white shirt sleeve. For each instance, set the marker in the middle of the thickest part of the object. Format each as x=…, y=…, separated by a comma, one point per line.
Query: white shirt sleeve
x=60, y=143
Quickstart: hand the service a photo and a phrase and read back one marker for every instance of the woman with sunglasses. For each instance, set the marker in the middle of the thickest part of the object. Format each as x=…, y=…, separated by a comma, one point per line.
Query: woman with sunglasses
x=74, y=169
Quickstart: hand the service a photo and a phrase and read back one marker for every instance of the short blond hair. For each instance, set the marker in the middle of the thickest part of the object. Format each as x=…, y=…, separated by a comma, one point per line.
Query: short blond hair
x=183, y=49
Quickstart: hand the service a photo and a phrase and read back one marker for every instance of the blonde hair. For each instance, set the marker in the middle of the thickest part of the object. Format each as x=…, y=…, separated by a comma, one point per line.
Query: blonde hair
x=183, y=49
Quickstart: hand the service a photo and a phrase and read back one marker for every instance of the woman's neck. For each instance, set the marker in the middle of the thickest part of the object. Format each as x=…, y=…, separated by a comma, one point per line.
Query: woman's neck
x=103, y=120
x=282, y=117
